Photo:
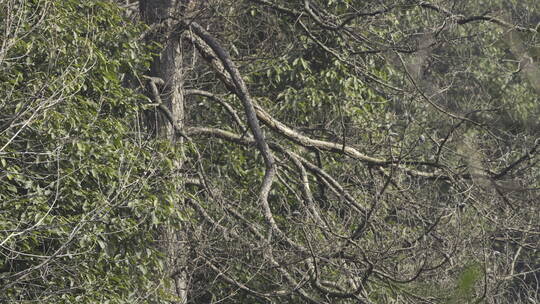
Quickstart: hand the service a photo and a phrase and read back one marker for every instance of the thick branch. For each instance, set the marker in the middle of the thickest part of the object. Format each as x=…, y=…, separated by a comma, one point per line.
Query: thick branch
x=242, y=92
x=247, y=141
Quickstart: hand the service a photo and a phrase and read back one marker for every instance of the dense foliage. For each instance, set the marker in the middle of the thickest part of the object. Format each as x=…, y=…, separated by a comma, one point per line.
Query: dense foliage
x=79, y=192
x=263, y=151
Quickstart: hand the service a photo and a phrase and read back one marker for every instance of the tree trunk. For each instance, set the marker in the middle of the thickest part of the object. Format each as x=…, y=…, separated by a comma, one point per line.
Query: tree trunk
x=168, y=67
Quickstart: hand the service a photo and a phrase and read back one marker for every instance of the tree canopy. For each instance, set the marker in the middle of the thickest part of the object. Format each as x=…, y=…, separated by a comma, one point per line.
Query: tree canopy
x=269, y=151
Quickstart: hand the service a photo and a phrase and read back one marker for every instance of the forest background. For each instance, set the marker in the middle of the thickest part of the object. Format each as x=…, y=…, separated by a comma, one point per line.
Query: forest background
x=269, y=151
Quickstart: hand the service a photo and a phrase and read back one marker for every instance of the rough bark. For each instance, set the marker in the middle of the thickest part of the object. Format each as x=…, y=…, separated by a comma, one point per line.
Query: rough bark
x=167, y=70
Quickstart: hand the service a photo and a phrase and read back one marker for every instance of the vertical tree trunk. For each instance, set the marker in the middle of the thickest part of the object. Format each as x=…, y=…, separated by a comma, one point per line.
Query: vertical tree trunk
x=168, y=67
